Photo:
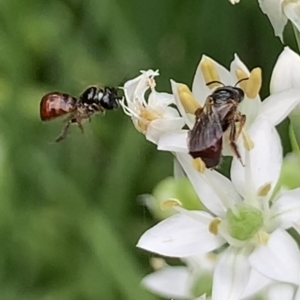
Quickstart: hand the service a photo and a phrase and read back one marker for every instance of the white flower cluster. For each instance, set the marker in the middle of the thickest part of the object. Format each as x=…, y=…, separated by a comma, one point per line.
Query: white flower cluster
x=279, y=12
x=241, y=238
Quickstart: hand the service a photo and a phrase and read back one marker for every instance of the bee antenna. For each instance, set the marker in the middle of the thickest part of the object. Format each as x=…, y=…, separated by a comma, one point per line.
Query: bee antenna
x=243, y=79
x=215, y=81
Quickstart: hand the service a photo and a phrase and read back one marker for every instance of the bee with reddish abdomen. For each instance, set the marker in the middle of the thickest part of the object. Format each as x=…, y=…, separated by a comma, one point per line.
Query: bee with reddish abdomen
x=93, y=100
x=219, y=113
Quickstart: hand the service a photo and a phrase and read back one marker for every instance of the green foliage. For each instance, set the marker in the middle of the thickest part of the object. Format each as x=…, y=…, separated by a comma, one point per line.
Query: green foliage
x=69, y=216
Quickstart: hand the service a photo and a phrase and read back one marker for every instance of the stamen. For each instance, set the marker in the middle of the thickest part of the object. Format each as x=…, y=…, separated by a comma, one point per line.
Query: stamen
x=151, y=83
x=264, y=189
x=187, y=99
x=145, y=116
x=254, y=83
x=209, y=72
x=248, y=143
x=199, y=165
x=170, y=203
x=214, y=226
x=240, y=74
x=128, y=111
x=148, y=114
x=262, y=237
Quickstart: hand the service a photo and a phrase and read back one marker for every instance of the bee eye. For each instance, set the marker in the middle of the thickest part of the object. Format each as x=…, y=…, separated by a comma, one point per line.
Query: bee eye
x=240, y=94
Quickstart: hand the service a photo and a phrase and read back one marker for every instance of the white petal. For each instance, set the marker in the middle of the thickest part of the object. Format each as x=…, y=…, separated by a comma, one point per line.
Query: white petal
x=255, y=284
x=251, y=108
x=180, y=236
x=170, y=282
x=296, y=226
x=237, y=64
x=286, y=72
x=136, y=88
x=170, y=112
x=264, y=163
x=160, y=99
x=174, y=141
x=292, y=11
x=200, y=90
x=205, y=262
x=231, y=274
x=286, y=210
x=273, y=9
x=280, y=291
x=277, y=107
x=159, y=127
x=279, y=259
x=202, y=186
x=223, y=187
x=297, y=296
x=178, y=172
x=188, y=118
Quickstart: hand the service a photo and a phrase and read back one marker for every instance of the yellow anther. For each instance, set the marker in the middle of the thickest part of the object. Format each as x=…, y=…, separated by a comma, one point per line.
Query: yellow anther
x=254, y=83
x=248, y=143
x=146, y=116
x=264, y=189
x=240, y=74
x=213, y=257
x=187, y=99
x=157, y=263
x=169, y=203
x=199, y=165
x=214, y=226
x=262, y=237
x=209, y=72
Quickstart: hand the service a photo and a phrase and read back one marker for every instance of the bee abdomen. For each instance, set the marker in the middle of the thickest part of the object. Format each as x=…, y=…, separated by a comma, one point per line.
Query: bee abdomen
x=56, y=104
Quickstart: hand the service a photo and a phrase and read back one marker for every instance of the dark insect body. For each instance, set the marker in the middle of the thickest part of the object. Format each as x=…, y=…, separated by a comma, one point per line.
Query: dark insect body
x=93, y=100
x=219, y=114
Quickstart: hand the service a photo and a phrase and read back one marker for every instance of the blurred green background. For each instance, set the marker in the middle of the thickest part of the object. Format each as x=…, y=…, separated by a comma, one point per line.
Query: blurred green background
x=70, y=218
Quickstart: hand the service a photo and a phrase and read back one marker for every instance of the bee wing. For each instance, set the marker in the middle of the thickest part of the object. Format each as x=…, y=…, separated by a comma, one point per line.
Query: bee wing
x=225, y=109
x=206, y=132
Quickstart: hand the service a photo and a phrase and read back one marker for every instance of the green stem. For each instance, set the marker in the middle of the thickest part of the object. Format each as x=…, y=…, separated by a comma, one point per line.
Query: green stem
x=293, y=139
x=297, y=36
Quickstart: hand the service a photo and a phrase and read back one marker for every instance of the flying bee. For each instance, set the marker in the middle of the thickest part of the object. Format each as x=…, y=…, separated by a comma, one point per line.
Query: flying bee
x=219, y=114
x=92, y=101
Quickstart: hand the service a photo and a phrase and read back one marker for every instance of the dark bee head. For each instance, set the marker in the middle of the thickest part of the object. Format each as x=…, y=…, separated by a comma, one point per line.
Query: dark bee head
x=109, y=98
x=224, y=93
x=228, y=92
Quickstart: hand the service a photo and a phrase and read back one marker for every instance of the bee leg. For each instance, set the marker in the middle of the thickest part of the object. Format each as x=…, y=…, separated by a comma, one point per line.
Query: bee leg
x=233, y=145
x=80, y=126
x=242, y=120
x=64, y=133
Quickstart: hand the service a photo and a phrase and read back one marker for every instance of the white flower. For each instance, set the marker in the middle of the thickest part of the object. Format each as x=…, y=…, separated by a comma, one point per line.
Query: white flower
x=178, y=282
x=279, y=12
x=274, y=108
x=286, y=72
x=153, y=117
x=241, y=215
x=234, y=1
